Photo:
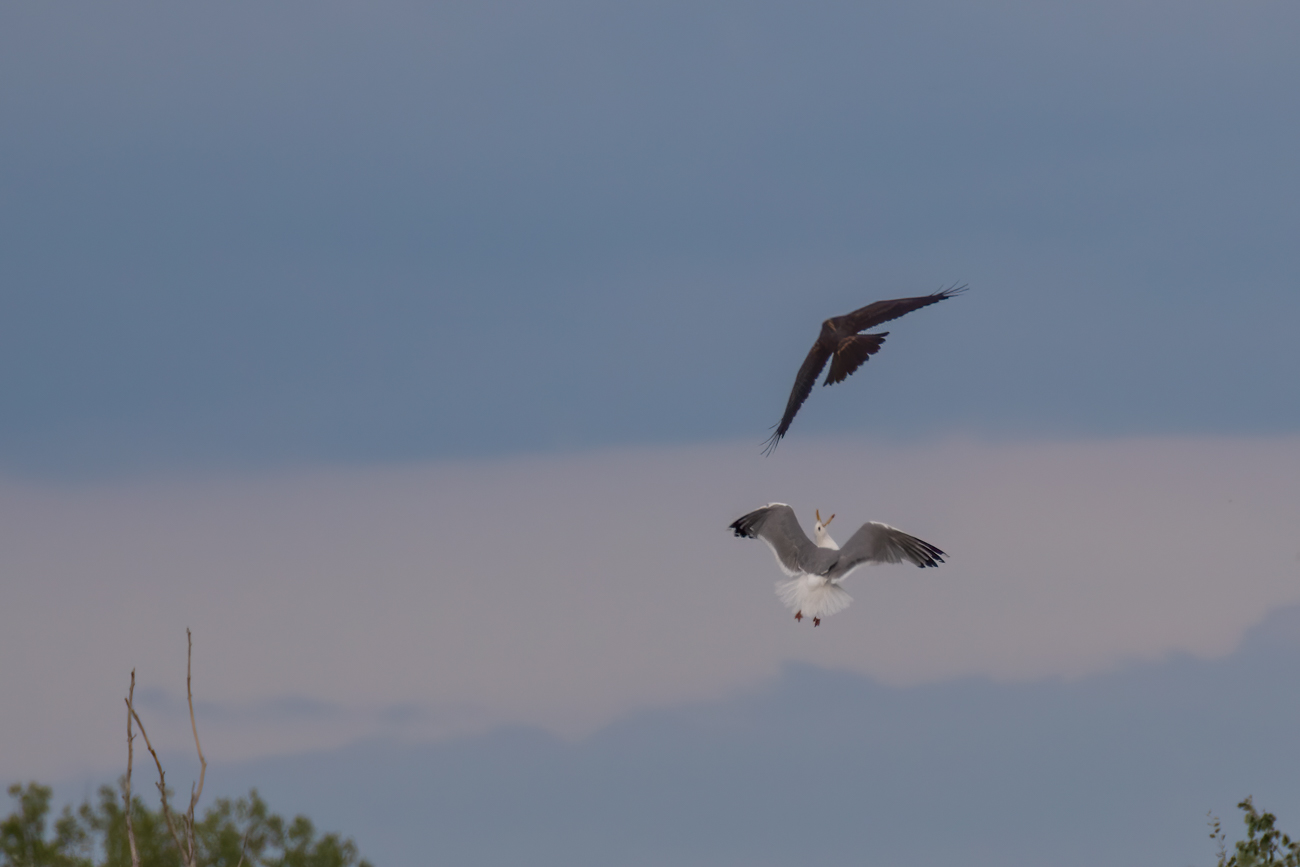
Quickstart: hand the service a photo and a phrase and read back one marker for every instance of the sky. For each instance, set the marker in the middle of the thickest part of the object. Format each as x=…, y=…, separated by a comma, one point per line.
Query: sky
x=969, y=771
x=417, y=357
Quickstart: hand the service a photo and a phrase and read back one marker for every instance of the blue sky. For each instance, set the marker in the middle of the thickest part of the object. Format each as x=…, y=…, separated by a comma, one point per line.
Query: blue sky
x=418, y=355
x=249, y=236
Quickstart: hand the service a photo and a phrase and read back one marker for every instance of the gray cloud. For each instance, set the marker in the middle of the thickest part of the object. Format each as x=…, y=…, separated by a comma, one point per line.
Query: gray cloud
x=566, y=592
x=847, y=769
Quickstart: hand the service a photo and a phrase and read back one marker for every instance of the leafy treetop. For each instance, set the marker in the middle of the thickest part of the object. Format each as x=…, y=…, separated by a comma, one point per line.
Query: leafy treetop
x=240, y=833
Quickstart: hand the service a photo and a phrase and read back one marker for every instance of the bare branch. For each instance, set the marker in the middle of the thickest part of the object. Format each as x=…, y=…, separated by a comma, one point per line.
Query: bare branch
x=188, y=849
x=243, y=847
x=126, y=786
x=195, y=791
x=162, y=785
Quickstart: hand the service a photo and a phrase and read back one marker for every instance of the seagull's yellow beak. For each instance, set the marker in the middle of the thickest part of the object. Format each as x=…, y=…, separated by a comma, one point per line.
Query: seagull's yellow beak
x=825, y=523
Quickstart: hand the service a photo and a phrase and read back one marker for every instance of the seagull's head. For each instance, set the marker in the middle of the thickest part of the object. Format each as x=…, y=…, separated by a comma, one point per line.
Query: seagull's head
x=820, y=536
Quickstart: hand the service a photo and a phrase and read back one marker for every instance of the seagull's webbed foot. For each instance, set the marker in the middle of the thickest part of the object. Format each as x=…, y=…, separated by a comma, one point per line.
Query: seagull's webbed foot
x=817, y=621
x=798, y=616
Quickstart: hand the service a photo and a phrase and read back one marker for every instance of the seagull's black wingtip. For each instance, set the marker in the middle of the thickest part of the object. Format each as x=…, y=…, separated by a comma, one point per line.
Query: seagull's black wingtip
x=934, y=556
x=953, y=290
x=744, y=527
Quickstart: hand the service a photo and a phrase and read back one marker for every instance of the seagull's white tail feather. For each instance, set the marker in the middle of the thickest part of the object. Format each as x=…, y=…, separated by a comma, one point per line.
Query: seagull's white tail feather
x=814, y=600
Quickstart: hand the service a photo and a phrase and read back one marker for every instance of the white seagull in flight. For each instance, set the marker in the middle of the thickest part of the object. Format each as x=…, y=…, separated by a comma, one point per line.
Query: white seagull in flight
x=816, y=570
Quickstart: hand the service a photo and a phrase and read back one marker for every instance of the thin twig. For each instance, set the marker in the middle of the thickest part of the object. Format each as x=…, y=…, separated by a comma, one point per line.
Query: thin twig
x=189, y=855
x=162, y=785
x=243, y=847
x=126, y=787
x=195, y=791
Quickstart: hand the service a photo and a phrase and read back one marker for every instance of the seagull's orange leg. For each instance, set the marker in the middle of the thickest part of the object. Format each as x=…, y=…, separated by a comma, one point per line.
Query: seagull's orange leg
x=817, y=621
x=798, y=615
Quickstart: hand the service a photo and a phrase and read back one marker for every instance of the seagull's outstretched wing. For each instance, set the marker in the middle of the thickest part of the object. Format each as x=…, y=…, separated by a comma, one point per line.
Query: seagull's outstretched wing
x=881, y=543
x=803, y=383
x=883, y=311
x=777, y=525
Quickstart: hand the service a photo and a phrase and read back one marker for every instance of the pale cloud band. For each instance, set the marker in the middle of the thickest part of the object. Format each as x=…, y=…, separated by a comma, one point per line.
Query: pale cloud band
x=425, y=600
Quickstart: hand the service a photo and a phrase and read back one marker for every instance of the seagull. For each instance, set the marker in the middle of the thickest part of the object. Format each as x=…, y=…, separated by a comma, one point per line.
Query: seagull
x=817, y=568
x=847, y=350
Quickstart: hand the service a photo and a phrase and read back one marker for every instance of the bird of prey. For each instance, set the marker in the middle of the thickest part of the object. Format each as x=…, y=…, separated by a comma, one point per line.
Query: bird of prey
x=816, y=570
x=846, y=349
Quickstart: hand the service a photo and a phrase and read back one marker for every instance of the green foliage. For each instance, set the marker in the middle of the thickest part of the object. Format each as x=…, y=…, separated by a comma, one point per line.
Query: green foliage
x=22, y=834
x=1264, y=846
x=228, y=833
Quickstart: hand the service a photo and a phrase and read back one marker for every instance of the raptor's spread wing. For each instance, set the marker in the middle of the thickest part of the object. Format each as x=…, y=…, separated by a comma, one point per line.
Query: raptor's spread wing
x=803, y=383
x=883, y=311
x=851, y=354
